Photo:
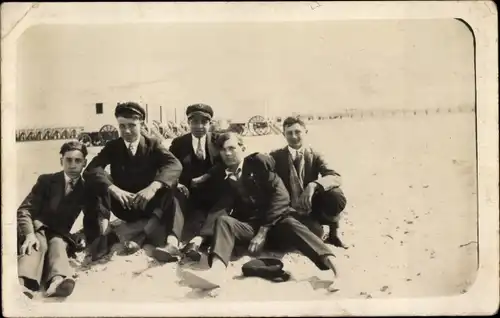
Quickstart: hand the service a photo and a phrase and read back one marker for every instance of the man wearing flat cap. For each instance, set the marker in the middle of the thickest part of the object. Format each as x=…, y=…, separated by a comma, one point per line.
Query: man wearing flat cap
x=196, y=152
x=139, y=189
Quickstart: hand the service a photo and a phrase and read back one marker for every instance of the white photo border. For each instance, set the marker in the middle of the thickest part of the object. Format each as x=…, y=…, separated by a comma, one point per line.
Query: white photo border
x=481, y=17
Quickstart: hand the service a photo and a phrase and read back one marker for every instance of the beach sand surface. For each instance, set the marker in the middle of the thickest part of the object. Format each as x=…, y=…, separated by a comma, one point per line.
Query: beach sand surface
x=410, y=222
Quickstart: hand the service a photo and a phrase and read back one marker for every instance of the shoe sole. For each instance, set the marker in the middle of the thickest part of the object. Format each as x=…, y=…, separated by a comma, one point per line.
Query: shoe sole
x=164, y=256
x=28, y=294
x=65, y=288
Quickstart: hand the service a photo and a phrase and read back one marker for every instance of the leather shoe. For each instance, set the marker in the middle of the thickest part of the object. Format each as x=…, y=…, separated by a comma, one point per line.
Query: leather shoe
x=167, y=254
x=192, y=252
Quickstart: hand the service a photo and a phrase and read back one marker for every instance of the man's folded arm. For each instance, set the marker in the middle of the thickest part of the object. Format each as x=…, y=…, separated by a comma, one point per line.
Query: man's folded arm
x=30, y=207
x=278, y=204
x=169, y=167
x=95, y=172
x=329, y=177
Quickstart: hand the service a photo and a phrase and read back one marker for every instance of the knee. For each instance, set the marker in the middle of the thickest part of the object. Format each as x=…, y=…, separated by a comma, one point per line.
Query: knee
x=289, y=222
x=57, y=242
x=224, y=220
x=335, y=197
x=43, y=245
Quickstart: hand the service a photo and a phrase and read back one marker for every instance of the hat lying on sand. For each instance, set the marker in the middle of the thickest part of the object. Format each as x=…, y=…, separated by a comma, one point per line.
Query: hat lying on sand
x=267, y=268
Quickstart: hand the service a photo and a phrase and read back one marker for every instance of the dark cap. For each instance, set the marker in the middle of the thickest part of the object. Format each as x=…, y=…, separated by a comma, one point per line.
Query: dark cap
x=267, y=268
x=199, y=109
x=129, y=109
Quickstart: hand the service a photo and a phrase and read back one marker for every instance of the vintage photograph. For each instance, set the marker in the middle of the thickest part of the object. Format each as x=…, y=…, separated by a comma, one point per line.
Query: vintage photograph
x=240, y=161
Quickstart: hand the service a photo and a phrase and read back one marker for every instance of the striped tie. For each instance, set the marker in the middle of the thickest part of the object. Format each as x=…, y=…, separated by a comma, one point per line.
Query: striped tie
x=71, y=186
x=131, y=149
x=199, y=151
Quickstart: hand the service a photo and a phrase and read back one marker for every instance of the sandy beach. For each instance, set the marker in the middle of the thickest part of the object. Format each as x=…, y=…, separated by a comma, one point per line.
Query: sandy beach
x=410, y=222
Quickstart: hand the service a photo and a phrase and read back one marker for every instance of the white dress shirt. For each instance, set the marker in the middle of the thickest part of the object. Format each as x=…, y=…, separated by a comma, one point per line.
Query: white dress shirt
x=203, y=144
x=235, y=175
x=135, y=145
x=293, y=152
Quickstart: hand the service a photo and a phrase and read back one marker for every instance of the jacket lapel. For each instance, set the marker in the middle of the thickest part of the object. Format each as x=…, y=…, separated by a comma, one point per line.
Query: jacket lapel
x=283, y=155
x=141, y=148
x=212, y=152
x=308, y=161
x=58, y=189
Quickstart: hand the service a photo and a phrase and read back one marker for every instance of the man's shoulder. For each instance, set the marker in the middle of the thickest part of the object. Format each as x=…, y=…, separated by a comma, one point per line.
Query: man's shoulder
x=181, y=139
x=114, y=143
x=261, y=160
x=152, y=141
x=48, y=177
x=315, y=153
x=276, y=152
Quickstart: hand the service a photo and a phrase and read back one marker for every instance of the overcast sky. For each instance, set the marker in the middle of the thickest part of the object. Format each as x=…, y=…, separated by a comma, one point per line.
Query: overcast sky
x=240, y=68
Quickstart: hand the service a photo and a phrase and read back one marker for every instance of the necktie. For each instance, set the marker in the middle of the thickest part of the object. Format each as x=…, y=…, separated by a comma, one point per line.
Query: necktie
x=234, y=175
x=199, y=151
x=71, y=186
x=298, y=163
x=131, y=149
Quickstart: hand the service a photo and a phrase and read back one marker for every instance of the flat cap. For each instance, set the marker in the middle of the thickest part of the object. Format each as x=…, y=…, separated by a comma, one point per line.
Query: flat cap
x=200, y=109
x=128, y=109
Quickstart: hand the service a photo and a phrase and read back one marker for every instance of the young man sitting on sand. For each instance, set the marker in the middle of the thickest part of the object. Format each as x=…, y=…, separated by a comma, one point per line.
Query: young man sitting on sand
x=255, y=206
x=45, y=219
x=139, y=190
x=313, y=185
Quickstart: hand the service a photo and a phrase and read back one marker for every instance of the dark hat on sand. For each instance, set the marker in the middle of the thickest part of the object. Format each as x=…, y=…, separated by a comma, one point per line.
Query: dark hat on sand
x=128, y=109
x=199, y=109
x=267, y=268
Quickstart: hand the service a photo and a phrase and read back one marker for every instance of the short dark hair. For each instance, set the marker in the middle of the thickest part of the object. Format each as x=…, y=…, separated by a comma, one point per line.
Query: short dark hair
x=289, y=121
x=225, y=136
x=73, y=145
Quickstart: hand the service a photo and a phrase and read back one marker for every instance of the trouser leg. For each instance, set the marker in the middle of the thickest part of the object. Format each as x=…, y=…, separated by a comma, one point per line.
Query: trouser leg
x=327, y=206
x=228, y=230
x=57, y=260
x=30, y=267
x=292, y=233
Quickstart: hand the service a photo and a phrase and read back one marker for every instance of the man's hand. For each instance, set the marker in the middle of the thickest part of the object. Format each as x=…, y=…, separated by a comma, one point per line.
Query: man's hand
x=305, y=200
x=182, y=188
x=197, y=181
x=124, y=197
x=142, y=197
x=30, y=242
x=257, y=243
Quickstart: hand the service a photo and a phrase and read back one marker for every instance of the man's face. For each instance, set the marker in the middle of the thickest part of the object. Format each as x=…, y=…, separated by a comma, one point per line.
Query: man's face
x=73, y=163
x=130, y=128
x=232, y=153
x=199, y=125
x=294, y=135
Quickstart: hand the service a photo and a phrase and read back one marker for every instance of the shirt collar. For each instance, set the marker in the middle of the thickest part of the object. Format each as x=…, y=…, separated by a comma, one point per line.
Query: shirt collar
x=293, y=151
x=229, y=174
x=67, y=179
x=134, y=143
x=202, y=139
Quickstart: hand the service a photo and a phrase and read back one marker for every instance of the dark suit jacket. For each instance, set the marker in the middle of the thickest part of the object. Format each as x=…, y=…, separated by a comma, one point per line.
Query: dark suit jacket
x=42, y=208
x=182, y=147
x=152, y=162
x=316, y=169
x=269, y=198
